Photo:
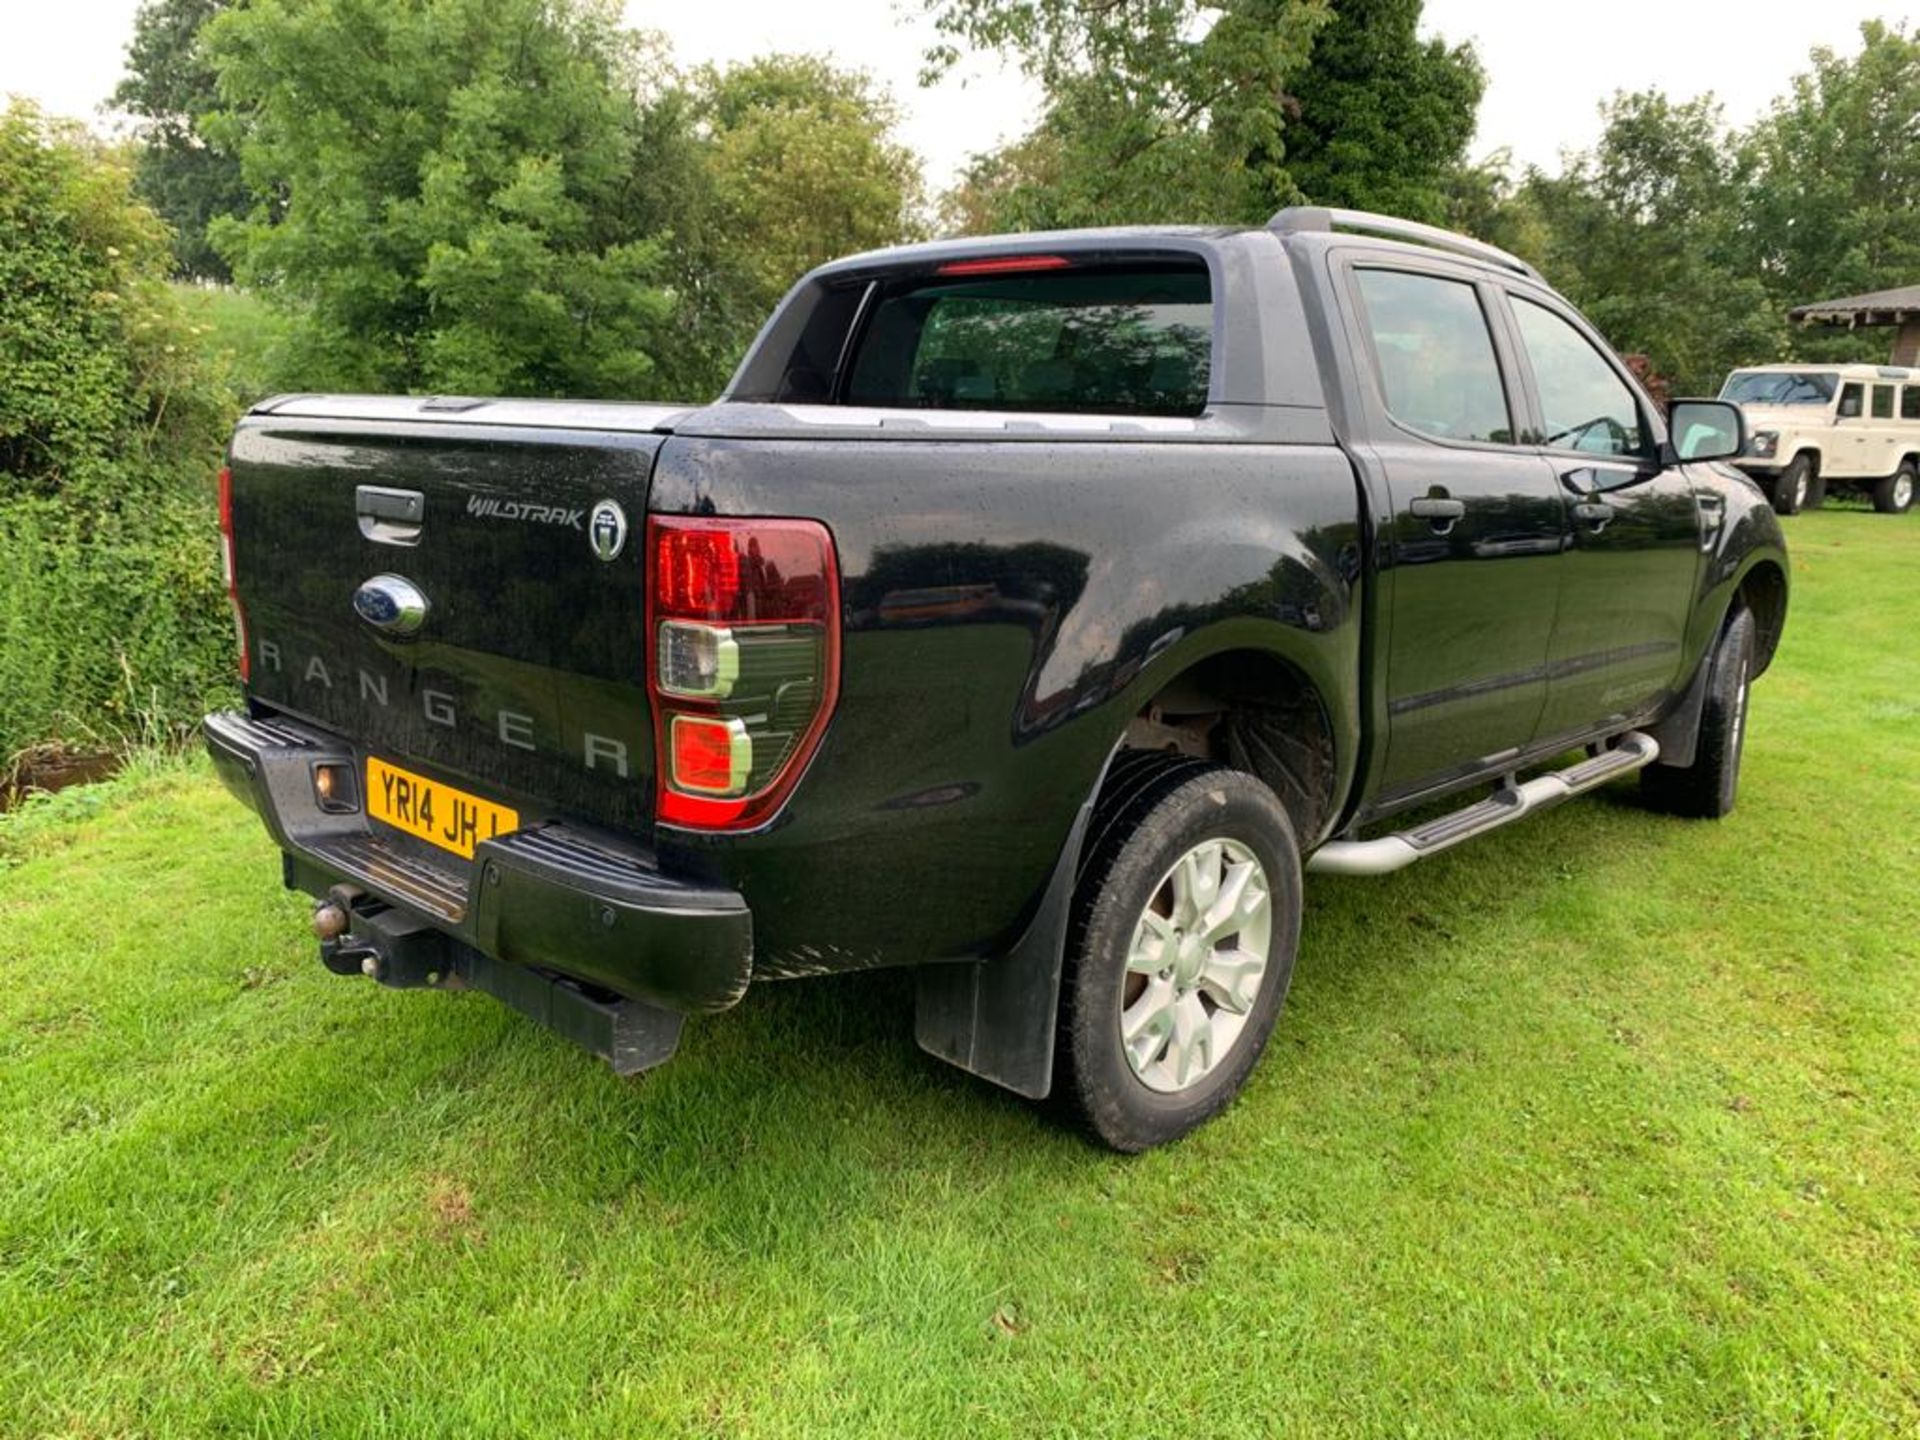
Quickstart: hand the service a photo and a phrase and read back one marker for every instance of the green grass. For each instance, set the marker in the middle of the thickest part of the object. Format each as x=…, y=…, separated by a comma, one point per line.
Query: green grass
x=1603, y=1125
x=243, y=332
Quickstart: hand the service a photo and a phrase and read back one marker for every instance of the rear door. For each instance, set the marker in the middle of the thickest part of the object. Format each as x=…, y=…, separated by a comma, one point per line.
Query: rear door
x=1634, y=526
x=525, y=682
x=1470, y=568
x=1883, y=444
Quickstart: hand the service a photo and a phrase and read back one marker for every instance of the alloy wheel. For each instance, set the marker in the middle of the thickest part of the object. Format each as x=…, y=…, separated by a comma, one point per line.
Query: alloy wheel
x=1195, y=965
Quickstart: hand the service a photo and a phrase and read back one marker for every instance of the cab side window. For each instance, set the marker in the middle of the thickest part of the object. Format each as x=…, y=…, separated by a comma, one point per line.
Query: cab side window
x=1883, y=402
x=1585, y=404
x=1852, y=396
x=1438, y=372
x=1910, y=403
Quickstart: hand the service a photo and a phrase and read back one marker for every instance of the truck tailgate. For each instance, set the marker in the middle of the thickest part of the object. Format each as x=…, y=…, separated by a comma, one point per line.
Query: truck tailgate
x=525, y=682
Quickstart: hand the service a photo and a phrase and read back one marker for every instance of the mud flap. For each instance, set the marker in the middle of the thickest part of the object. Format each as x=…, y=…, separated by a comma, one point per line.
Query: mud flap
x=1678, y=733
x=997, y=1018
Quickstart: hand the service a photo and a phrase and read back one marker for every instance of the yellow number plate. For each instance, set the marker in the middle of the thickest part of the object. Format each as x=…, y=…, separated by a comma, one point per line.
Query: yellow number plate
x=450, y=818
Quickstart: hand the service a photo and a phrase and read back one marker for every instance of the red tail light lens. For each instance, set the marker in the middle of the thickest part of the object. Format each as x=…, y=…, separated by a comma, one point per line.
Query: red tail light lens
x=697, y=572
x=743, y=663
x=766, y=571
x=227, y=572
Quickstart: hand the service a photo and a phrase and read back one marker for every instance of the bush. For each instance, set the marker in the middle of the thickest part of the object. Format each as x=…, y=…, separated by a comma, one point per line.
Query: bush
x=112, y=623
x=113, y=630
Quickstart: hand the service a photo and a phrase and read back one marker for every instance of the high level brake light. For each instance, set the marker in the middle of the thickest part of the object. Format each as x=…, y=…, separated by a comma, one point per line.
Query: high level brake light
x=1004, y=265
x=743, y=662
x=227, y=572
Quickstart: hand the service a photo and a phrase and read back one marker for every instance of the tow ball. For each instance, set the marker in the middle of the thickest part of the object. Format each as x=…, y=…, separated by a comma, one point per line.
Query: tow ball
x=360, y=935
x=330, y=920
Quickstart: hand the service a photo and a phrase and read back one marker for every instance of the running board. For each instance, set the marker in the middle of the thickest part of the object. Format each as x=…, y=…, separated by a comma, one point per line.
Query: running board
x=1634, y=751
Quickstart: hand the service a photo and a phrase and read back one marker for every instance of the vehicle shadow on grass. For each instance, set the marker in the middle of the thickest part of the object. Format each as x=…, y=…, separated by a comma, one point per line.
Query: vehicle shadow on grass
x=821, y=1080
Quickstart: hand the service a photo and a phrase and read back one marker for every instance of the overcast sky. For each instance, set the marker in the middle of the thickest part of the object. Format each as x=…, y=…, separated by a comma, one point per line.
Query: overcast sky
x=1550, y=64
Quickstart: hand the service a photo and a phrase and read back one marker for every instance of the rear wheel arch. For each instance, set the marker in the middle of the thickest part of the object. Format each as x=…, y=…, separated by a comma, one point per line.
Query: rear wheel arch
x=1255, y=711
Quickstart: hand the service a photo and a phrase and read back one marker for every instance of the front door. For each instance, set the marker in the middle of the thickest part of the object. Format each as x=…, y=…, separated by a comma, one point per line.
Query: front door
x=1848, y=454
x=1634, y=530
x=1470, y=568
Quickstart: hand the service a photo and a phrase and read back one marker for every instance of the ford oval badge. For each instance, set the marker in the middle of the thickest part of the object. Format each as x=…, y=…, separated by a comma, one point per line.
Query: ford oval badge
x=607, y=529
x=392, y=604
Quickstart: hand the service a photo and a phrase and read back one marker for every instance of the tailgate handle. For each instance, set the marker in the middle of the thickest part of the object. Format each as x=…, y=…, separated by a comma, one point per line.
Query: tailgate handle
x=390, y=517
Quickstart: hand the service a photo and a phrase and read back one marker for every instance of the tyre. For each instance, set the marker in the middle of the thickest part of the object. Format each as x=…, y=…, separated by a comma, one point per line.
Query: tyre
x=1816, y=491
x=1705, y=789
x=1185, y=924
x=1894, y=495
x=1791, y=487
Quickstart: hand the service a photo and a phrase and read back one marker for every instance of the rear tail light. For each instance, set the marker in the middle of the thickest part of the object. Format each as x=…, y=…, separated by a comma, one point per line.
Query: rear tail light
x=743, y=662
x=227, y=571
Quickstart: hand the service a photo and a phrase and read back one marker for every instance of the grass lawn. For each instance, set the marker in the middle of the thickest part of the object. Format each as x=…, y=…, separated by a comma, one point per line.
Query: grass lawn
x=1603, y=1125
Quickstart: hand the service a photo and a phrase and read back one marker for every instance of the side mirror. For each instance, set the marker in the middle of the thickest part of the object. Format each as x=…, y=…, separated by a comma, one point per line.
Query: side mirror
x=1705, y=430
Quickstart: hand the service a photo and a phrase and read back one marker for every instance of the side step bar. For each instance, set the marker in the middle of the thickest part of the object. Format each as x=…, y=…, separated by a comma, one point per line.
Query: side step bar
x=1510, y=802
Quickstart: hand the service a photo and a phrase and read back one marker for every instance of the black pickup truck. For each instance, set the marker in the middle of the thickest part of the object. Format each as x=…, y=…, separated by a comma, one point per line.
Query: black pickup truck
x=1027, y=611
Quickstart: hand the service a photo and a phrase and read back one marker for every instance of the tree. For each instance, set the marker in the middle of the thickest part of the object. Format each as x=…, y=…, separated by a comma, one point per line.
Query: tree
x=170, y=84
x=1380, y=119
x=445, y=192
x=1156, y=110
x=1484, y=199
x=765, y=170
x=102, y=388
x=1647, y=233
x=1838, y=160
x=112, y=616
x=805, y=166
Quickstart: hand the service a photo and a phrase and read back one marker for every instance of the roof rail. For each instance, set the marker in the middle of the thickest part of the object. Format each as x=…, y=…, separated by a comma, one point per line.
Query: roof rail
x=1296, y=219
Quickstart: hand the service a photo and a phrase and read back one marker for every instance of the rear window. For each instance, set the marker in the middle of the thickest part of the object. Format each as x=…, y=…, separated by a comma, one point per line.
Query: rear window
x=1131, y=339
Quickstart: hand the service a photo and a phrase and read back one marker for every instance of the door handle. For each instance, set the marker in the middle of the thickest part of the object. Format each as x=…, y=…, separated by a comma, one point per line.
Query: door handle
x=1438, y=508
x=1594, y=512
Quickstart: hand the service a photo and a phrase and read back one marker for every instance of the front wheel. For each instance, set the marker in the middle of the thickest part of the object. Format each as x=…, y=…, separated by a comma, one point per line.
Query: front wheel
x=1792, y=486
x=1894, y=495
x=1185, y=927
x=1705, y=790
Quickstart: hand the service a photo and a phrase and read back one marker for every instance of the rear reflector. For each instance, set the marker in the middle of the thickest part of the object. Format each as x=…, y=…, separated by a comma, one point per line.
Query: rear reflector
x=743, y=663
x=227, y=572
x=1004, y=265
x=709, y=755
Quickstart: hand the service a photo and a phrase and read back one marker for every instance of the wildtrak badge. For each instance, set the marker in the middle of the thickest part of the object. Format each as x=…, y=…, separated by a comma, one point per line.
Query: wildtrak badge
x=487, y=507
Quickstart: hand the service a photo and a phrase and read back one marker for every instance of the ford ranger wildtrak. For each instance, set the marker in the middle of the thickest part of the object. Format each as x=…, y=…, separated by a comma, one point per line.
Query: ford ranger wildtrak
x=1030, y=611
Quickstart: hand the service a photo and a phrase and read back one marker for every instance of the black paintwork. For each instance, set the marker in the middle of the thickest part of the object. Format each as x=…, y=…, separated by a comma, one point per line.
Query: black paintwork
x=1012, y=597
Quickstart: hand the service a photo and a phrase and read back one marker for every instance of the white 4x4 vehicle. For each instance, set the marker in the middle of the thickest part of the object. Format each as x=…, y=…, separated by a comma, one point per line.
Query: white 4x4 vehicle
x=1812, y=428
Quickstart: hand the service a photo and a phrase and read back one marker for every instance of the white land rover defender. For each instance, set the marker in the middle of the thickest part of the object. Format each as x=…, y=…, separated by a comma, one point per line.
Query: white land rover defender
x=1815, y=428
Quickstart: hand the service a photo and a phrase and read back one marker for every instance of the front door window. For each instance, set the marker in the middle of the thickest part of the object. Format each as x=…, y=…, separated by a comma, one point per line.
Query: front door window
x=1584, y=404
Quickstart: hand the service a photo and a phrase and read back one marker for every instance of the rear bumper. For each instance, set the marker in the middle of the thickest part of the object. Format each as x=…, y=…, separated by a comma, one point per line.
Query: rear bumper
x=549, y=897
